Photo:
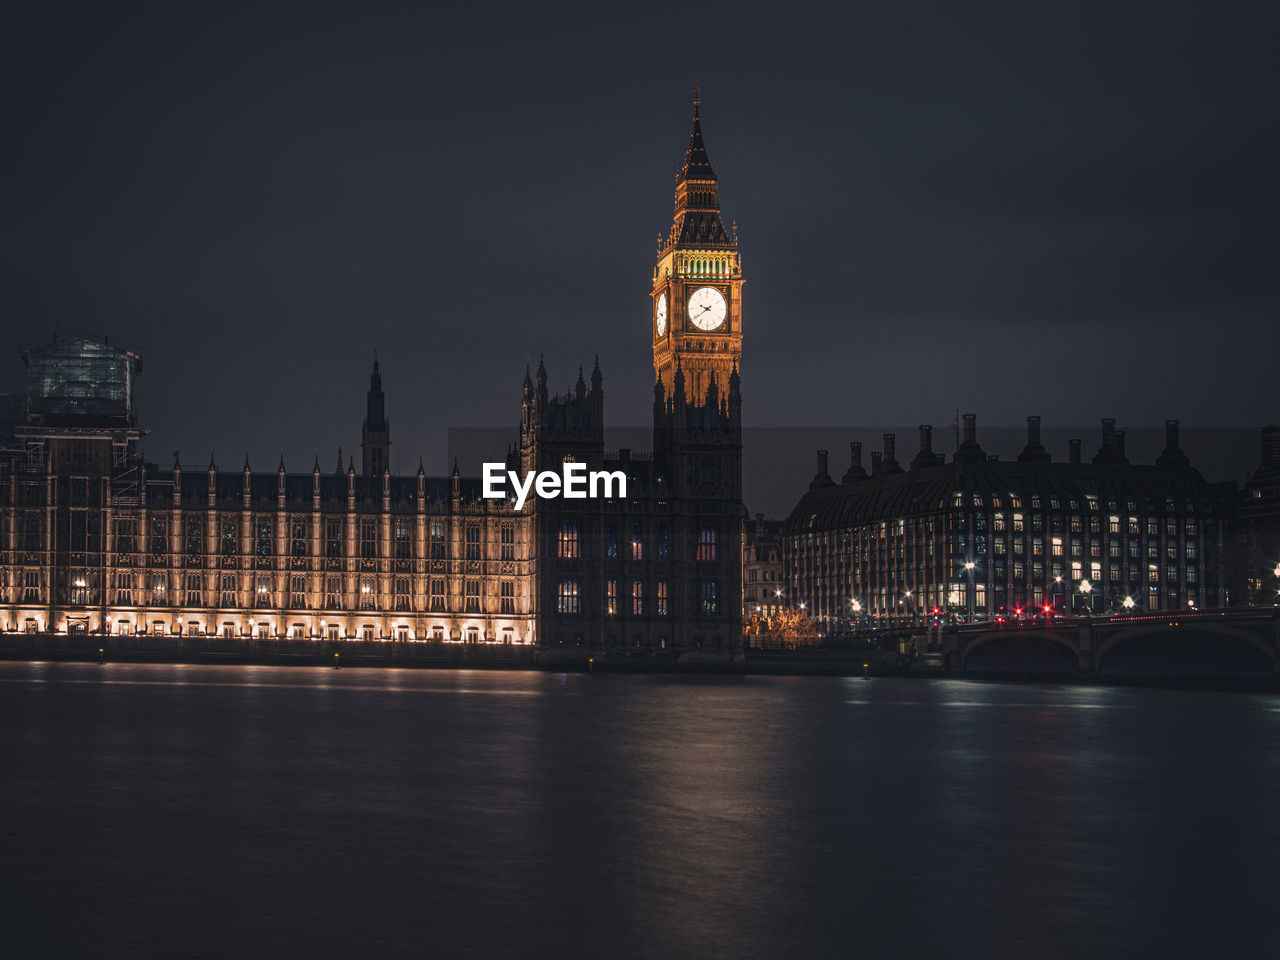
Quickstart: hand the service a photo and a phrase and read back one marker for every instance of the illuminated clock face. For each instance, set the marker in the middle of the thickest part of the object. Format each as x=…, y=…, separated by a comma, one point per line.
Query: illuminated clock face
x=661, y=316
x=707, y=308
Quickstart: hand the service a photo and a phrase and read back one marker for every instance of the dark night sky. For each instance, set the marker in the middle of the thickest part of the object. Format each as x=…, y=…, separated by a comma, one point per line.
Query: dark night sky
x=1019, y=208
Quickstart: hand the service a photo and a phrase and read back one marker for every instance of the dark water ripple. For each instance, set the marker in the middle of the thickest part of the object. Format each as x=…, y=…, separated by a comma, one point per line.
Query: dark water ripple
x=183, y=811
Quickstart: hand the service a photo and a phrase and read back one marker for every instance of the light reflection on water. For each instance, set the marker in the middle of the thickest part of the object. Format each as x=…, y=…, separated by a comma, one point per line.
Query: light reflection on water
x=259, y=811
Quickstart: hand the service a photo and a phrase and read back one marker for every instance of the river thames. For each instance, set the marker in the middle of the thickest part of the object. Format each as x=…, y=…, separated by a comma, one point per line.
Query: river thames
x=218, y=811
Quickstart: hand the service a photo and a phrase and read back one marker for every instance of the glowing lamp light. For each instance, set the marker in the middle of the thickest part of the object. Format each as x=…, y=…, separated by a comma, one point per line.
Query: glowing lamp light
x=777, y=593
x=802, y=606
x=1277, y=570
x=1086, y=587
x=969, y=565
x=1128, y=603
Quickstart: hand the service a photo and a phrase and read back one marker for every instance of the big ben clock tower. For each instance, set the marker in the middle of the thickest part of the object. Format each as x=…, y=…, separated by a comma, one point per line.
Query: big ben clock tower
x=696, y=303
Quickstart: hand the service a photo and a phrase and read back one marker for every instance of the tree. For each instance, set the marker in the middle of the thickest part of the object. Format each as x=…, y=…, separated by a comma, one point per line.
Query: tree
x=792, y=626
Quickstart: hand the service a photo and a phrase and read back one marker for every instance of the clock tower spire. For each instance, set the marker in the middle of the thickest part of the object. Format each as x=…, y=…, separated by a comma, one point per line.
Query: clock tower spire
x=696, y=302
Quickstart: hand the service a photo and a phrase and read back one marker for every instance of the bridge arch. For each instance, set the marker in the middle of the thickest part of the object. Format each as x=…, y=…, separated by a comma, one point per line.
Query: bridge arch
x=984, y=638
x=1159, y=627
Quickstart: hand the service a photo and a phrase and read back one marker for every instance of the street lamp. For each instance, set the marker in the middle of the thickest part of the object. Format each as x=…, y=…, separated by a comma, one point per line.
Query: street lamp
x=1086, y=588
x=970, y=607
x=1128, y=603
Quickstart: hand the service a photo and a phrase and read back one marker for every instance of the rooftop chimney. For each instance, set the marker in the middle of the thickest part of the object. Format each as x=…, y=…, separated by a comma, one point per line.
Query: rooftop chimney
x=855, y=471
x=1112, y=449
x=821, y=478
x=875, y=461
x=1172, y=455
x=1034, y=451
x=1074, y=444
x=969, y=451
x=889, y=442
x=925, y=457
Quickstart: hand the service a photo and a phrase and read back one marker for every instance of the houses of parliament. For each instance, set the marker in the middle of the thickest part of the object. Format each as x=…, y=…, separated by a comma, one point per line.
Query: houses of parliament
x=95, y=540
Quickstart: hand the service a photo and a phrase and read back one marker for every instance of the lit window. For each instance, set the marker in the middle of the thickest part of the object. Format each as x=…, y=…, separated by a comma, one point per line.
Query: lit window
x=707, y=543
x=709, y=597
x=567, y=548
x=567, y=596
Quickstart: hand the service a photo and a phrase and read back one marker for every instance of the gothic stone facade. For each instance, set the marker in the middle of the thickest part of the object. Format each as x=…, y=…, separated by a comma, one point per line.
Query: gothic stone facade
x=658, y=572
x=95, y=540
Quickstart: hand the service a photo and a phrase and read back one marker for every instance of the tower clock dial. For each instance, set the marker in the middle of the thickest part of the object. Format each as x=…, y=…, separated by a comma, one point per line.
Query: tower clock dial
x=707, y=308
x=661, y=315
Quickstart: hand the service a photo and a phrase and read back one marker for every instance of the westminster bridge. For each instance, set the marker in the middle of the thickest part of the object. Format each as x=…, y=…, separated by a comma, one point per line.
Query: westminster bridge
x=1248, y=637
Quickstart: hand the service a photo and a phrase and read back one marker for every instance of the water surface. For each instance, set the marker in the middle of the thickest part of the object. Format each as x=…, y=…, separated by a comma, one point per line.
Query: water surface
x=210, y=811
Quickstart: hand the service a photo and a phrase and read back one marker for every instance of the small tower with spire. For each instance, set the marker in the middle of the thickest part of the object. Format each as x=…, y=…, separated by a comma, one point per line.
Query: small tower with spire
x=375, y=435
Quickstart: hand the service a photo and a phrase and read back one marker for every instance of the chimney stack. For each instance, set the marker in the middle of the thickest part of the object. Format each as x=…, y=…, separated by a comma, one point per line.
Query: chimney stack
x=1075, y=450
x=1033, y=431
x=925, y=457
x=1172, y=455
x=1108, y=431
x=889, y=442
x=970, y=428
x=855, y=453
x=822, y=462
x=875, y=461
x=1119, y=435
